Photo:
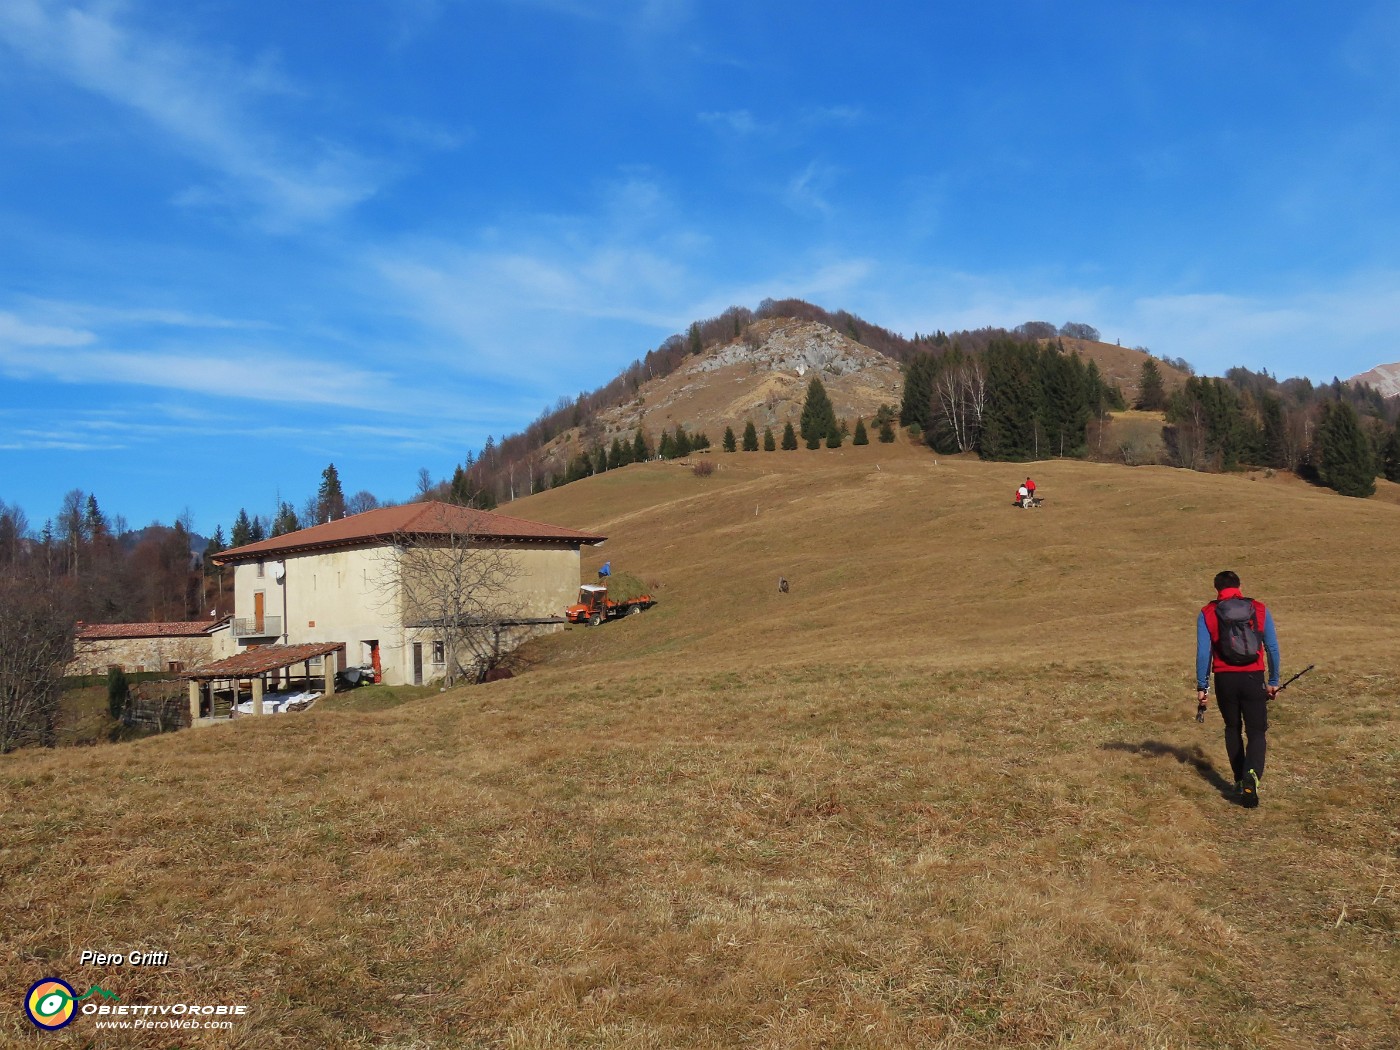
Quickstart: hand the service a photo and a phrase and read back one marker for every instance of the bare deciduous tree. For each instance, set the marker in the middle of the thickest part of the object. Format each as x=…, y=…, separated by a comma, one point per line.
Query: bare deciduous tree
x=960, y=394
x=36, y=641
x=448, y=581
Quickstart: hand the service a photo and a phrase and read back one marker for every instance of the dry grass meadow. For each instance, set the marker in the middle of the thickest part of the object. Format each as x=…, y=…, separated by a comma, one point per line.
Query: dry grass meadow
x=948, y=792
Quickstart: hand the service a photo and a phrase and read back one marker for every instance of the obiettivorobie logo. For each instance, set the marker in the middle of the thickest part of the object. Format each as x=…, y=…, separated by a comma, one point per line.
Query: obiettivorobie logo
x=52, y=1004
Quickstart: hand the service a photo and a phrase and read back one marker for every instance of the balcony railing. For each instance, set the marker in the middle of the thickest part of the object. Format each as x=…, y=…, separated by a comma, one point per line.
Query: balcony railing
x=252, y=627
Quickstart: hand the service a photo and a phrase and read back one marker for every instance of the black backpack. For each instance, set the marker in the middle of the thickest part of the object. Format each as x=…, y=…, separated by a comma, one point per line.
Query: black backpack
x=1238, y=638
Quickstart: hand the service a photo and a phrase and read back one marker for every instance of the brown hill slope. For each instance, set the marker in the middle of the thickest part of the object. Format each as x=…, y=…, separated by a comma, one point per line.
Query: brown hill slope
x=1123, y=365
x=945, y=793
x=762, y=377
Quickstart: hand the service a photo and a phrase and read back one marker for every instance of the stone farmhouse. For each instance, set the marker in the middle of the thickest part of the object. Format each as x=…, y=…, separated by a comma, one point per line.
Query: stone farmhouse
x=348, y=581
x=166, y=647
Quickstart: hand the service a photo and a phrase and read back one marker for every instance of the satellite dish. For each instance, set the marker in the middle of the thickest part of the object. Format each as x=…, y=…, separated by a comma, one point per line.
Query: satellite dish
x=278, y=571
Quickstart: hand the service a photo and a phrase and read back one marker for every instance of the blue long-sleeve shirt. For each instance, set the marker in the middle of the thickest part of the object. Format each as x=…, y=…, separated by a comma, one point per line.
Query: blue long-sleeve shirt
x=1203, y=650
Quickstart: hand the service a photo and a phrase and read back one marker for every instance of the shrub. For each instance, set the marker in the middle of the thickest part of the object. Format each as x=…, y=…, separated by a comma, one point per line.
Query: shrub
x=118, y=691
x=703, y=468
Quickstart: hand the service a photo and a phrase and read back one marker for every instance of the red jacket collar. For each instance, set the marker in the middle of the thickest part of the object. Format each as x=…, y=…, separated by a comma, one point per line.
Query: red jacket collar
x=1228, y=592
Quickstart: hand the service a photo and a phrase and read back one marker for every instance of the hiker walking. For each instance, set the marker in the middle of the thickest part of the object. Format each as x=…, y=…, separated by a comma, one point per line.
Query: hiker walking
x=1234, y=634
x=1030, y=489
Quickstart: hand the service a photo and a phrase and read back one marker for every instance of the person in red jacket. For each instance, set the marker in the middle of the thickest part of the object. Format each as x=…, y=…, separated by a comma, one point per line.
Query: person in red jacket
x=1235, y=637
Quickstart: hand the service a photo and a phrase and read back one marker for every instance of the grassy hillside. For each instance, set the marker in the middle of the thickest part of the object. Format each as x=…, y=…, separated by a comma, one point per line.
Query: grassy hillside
x=947, y=792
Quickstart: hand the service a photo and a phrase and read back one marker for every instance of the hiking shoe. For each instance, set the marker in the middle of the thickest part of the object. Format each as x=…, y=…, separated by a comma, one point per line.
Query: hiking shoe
x=1249, y=789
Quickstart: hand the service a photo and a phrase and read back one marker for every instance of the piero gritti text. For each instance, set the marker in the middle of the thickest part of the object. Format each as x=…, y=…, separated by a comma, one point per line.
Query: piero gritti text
x=91, y=958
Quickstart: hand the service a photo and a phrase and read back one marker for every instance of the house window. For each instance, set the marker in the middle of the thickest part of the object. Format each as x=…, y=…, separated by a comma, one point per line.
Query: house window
x=176, y=666
x=262, y=570
x=439, y=653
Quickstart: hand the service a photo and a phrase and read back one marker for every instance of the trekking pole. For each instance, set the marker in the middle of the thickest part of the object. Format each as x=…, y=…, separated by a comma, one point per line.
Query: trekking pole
x=1297, y=676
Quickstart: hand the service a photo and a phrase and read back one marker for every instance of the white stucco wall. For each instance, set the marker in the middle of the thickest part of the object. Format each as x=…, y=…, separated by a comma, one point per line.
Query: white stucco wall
x=351, y=595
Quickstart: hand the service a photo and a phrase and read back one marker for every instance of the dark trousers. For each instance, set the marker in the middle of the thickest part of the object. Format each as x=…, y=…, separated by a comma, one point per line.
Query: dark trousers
x=1244, y=705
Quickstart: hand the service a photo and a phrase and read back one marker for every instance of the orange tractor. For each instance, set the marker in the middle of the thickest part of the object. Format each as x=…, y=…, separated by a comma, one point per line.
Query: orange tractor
x=594, y=606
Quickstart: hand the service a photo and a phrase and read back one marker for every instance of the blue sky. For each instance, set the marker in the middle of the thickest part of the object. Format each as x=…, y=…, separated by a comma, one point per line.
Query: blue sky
x=239, y=240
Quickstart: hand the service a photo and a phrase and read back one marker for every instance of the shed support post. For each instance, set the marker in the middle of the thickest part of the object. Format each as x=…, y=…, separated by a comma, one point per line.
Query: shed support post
x=195, y=690
x=328, y=662
x=257, y=694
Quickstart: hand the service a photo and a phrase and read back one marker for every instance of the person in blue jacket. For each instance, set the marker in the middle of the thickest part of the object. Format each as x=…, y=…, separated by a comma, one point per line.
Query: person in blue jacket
x=1235, y=637
x=605, y=571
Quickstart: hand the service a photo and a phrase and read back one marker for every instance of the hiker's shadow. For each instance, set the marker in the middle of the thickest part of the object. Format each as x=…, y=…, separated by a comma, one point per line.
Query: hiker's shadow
x=1195, y=757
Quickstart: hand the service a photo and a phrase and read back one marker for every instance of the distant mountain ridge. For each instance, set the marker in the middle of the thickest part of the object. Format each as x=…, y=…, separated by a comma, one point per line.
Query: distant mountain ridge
x=1384, y=378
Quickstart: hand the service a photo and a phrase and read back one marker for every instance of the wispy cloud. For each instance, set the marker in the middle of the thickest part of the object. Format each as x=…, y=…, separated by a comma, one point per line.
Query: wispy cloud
x=743, y=123
x=66, y=354
x=737, y=121
x=202, y=102
x=1343, y=329
x=809, y=190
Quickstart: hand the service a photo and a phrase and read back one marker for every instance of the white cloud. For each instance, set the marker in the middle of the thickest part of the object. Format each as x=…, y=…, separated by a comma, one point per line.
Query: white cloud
x=17, y=332
x=808, y=190
x=1340, y=330
x=204, y=104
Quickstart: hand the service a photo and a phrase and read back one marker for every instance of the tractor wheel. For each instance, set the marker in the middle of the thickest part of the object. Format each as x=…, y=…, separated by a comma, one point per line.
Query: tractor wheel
x=634, y=611
x=595, y=619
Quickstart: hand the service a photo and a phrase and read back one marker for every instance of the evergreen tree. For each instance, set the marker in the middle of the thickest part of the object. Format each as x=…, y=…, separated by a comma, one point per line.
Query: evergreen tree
x=1010, y=418
x=769, y=445
x=94, y=523
x=459, y=490
x=1064, y=412
x=215, y=546
x=701, y=440
x=682, y=445
x=750, y=437
x=242, y=533
x=861, y=437
x=599, y=459
x=578, y=469
x=641, y=452
x=696, y=345
x=815, y=441
x=118, y=691
x=833, y=439
x=257, y=531
x=789, y=438
x=818, y=417
x=916, y=405
x=285, y=521
x=1345, y=463
x=886, y=432
x=616, y=455
x=1209, y=413
x=1391, y=456
x=330, y=499
x=730, y=445
x=668, y=446
x=1273, y=433
x=1152, y=395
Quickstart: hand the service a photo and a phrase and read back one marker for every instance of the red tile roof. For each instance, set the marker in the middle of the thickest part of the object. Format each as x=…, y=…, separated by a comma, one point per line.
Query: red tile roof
x=413, y=519
x=91, y=632
x=262, y=659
